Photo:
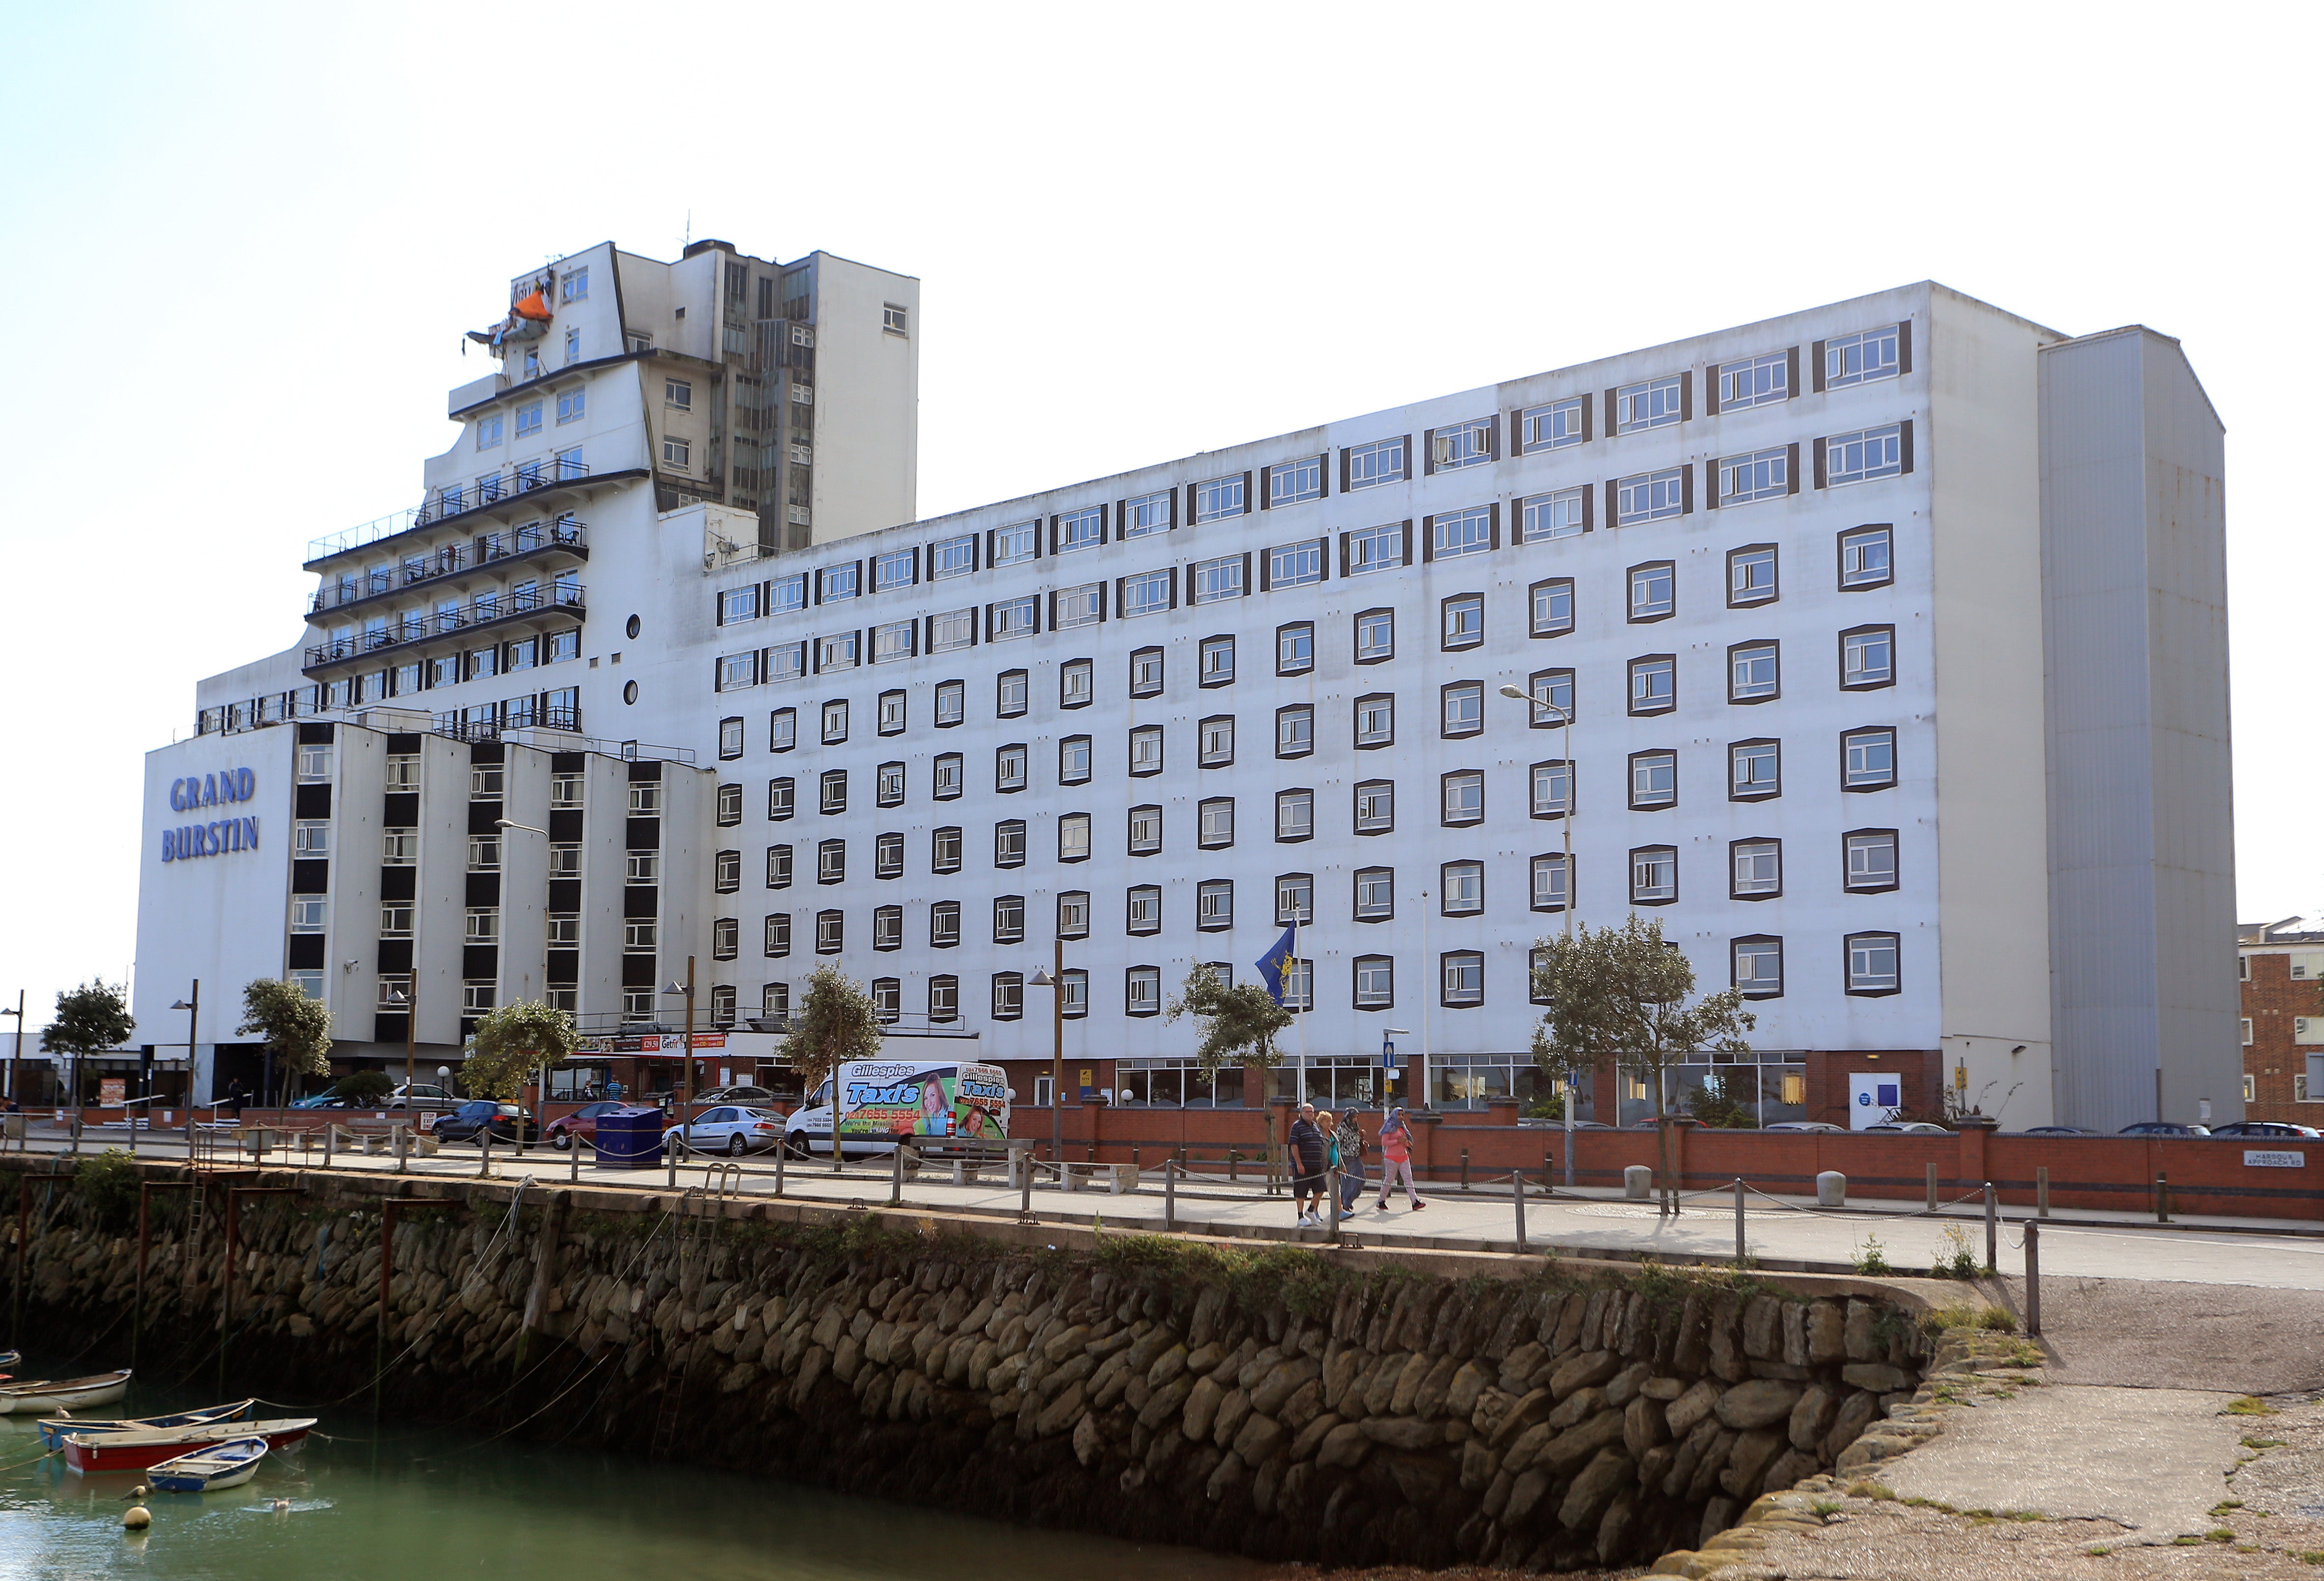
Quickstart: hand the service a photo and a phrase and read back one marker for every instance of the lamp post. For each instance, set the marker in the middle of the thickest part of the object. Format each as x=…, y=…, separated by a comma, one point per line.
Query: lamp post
x=541, y=1098
x=1054, y=980
x=16, y=1064
x=1572, y=896
x=685, y=1078
x=192, y=1006
x=409, y=1000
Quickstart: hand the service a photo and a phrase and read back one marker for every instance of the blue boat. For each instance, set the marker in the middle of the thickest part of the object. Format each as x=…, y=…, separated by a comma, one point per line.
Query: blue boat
x=54, y=1429
x=218, y=1466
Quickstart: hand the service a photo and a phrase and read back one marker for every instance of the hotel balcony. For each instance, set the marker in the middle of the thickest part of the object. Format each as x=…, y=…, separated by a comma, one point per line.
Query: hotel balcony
x=547, y=484
x=486, y=612
x=546, y=541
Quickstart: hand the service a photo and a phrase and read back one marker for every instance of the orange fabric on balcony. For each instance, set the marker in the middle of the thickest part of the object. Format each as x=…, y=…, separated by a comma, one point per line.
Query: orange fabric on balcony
x=534, y=307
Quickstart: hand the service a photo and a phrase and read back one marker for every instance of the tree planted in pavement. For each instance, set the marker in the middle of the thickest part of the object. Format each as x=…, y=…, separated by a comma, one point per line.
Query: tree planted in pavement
x=834, y=1024
x=90, y=1019
x=295, y=1029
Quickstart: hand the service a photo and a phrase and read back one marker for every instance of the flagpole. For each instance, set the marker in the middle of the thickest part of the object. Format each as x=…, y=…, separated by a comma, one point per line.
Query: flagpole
x=1306, y=1003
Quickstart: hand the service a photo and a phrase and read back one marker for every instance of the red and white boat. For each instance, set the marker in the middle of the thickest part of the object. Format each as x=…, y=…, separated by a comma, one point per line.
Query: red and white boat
x=136, y=1451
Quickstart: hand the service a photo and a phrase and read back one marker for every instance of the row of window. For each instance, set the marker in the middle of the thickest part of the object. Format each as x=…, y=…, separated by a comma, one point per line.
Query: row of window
x=1865, y=558
x=1754, y=871
x=1870, y=967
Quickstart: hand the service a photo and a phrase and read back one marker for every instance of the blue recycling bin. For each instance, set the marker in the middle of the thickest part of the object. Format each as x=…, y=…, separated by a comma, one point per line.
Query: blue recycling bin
x=630, y=1137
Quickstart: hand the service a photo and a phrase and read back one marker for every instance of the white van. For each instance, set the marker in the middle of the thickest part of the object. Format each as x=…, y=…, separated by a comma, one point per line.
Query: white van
x=881, y=1100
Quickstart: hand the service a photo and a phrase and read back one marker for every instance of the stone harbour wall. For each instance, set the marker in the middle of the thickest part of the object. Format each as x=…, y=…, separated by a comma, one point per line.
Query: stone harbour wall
x=1340, y=1407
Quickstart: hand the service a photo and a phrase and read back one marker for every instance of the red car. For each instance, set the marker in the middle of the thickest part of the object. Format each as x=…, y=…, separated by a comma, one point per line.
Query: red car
x=582, y=1122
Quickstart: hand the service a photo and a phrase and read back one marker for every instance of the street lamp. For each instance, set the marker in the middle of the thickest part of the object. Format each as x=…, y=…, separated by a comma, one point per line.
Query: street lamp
x=1572, y=896
x=192, y=1006
x=541, y=1099
x=686, y=1108
x=411, y=1003
x=1055, y=982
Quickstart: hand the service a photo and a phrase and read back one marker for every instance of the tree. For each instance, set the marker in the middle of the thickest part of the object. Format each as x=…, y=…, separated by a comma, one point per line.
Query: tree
x=1620, y=995
x=834, y=1025
x=296, y=1030
x=1238, y=1023
x=364, y=1087
x=511, y=1042
x=90, y=1019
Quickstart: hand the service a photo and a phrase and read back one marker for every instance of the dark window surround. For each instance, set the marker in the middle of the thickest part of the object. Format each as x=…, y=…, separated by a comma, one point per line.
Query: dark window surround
x=1002, y=827
x=1356, y=794
x=1444, y=607
x=1024, y=675
x=1306, y=750
x=1443, y=731
x=1755, y=602
x=1356, y=621
x=1308, y=791
x=953, y=723
x=999, y=937
x=1088, y=664
x=1127, y=974
x=1840, y=558
x=1130, y=744
x=1017, y=746
x=879, y=709
x=936, y=778
x=1201, y=842
x=1638, y=851
x=1228, y=762
x=1293, y=625
x=1564, y=631
x=1065, y=741
x=1630, y=780
x=1773, y=894
x=1355, y=884
x=1130, y=901
x=1734, y=648
x=936, y=939
x=1282, y=920
x=1840, y=653
x=1444, y=779
x=1136, y=689
x=1845, y=735
x=1847, y=947
x=881, y=844
x=1735, y=795
x=1629, y=671
x=892, y=915
x=1445, y=886
x=1087, y=819
x=824, y=847
x=937, y=863
x=1203, y=927
x=736, y=721
x=1356, y=975
x=1629, y=576
x=1573, y=867
x=1445, y=1002
x=1131, y=822
x=773, y=736
x=1573, y=787
x=1202, y=648
x=1775, y=939
x=824, y=802
x=1894, y=846
x=838, y=917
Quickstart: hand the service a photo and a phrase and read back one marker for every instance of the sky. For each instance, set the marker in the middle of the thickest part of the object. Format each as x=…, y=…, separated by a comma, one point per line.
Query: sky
x=241, y=242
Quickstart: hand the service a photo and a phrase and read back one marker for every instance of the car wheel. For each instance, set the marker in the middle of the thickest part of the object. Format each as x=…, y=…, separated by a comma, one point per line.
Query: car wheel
x=735, y=1146
x=562, y=1140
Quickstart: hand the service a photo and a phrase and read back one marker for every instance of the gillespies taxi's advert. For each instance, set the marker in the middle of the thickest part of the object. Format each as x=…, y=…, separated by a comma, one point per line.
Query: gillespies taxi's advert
x=922, y=1099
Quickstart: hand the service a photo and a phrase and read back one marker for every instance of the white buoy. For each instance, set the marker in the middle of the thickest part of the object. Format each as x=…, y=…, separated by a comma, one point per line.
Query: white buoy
x=137, y=1518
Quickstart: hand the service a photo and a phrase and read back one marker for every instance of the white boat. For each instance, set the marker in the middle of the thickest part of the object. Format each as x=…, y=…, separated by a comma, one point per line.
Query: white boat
x=10, y=1358
x=52, y=1394
x=223, y=1466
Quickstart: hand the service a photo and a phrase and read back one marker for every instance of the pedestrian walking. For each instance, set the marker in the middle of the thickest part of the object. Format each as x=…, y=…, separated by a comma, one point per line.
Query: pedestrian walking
x=1350, y=1139
x=1308, y=1151
x=1396, y=1158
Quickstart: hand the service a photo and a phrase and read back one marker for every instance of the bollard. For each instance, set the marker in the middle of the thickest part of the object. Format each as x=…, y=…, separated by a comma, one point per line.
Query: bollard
x=1740, y=1257
x=670, y=1156
x=1992, y=1232
x=190, y=1139
x=2162, y=1198
x=402, y=1141
x=2042, y=1190
x=1025, y=1184
x=1517, y=1180
x=1170, y=1198
x=1233, y=1158
x=330, y=1142
x=1832, y=1190
x=2033, y=1276
x=1637, y=1181
x=1932, y=1188
x=572, y=1145
x=484, y=1141
x=896, y=1177
x=1464, y=1168
x=782, y=1152
x=1331, y=1225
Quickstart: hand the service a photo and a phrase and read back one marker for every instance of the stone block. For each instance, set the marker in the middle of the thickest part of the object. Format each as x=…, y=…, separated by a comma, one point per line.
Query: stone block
x=1691, y=1407
x=1877, y=1376
x=1594, y=1489
x=1757, y=1404
x=1583, y=1371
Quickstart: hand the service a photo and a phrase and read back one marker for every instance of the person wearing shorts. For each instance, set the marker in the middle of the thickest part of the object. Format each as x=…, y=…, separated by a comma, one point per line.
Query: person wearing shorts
x=1307, y=1165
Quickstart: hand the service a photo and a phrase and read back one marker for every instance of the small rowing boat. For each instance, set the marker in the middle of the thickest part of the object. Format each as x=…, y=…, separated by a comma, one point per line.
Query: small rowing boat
x=55, y=1430
x=136, y=1451
x=63, y=1393
x=221, y=1466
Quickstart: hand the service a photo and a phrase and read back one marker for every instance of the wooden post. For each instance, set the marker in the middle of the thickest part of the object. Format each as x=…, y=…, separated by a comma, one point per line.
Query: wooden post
x=2042, y=1190
x=1932, y=1188
x=1741, y=1255
x=1516, y=1180
x=2033, y=1276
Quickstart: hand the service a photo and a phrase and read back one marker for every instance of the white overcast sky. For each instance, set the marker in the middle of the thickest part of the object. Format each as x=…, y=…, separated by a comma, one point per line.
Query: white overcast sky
x=241, y=243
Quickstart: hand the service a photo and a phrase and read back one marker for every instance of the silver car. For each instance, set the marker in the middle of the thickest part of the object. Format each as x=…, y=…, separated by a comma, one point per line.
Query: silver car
x=732, y=1129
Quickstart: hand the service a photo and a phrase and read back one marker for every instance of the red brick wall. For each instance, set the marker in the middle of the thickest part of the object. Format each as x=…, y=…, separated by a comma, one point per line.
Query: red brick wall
x=2271, y=999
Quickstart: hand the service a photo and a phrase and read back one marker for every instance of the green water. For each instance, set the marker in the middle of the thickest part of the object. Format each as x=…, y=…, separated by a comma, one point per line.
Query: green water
x=417, y=1505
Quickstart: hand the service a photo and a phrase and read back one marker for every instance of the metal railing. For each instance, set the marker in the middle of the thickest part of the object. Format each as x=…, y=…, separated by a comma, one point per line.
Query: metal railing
x=451, y=560
x=482, y=610
x=454, y=500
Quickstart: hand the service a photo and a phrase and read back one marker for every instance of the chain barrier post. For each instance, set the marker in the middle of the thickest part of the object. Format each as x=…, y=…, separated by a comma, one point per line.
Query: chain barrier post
x=2042, y=1190
x=1517, y=1180
x=1932, y=1189
x=1464, y=1168
x=2033, y=1276
x=1992, y=1231
x=572, y=1145
x=2162, y=1198
x=1170, y=1198
x=484, y=1167
x=1739, y=1222
x=1332, y=1184
x=782, y=1152
x=896, y=1181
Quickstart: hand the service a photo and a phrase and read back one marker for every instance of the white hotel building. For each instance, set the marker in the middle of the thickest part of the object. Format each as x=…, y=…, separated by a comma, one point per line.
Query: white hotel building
x=1886, y=641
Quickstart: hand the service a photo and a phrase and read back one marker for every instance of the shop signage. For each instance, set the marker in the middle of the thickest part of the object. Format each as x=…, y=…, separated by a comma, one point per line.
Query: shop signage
x=222, y=837
x=669, y=1043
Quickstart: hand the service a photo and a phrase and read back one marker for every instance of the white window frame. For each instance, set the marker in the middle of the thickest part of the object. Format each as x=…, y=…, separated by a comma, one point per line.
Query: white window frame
x=1759, y=475
x=1373, y=465
x=1554, y=425
x=1650, y=497
x=1564, y=514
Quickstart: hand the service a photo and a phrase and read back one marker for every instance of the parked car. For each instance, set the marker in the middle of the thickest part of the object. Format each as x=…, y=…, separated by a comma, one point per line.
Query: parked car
x=582, y=1122
x=2061, y=1131
x=2283, y=1130
x=468, y=1123
x=2164, y=1128
x=736, y=1094
x=421, y=1095
x=734, y=1128
x=1804, y=1125
x=1912, y=1127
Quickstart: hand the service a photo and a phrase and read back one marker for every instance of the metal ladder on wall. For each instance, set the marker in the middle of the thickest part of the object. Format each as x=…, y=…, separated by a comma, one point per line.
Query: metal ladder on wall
x=699, y=1212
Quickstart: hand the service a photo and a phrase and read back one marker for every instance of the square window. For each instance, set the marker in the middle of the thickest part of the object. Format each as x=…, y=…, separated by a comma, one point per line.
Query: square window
x=1652, y=496
x=1218, y=661
x=1215, y=741
x=1652, y=591
x=1554, y=425
x=1076, y=684
x=1376, y=806
x=1550, y=885
x=1757, y=475
x=1653, y=403
x=1654, y=875
x=730, y=738
x=1871, y=859
x=1654, y=780
x=725, y=871
x=943, y=850
x=947, y=776
x=835, y=791
x=1008, y=768
x=1751, y=672
x=1073, y=760
x=1216, y=829
x=1541, y=518
x=1758, y=966
x=888, y=856
x=1464, y=796
x=1009, y=843
x=1464, y=621
x=1072, y=914
x=1375, y=636
x=1375, y=895
x=1007, y=918
x=779, y=867
x=831, y=862
x=1375, y=982
x=1550, y=699
x=1758, y=869
x=1375, y=720
x=1653, y=684
x=1142, y=991
x=1461, y=887
x=1294, y=899
x=1867, y=558
x=1552, y=785
x=730, y=805
x=1868, y=658
x=1551, y=602
x=1146, y=672
x=1145, y=830
x=1872, y=964
x=1463, y=707
x=1013, y=693
x=1464, y=978
x=782, y=730
x=1145, y=909
x=1757, y=382
x=952, y=703
x=1867, y=759
x=1750, y=575
x=830, y=932
x=1294, y=648
x=1007, y=996
x=1146, y=750
x=1074, y=836
x=726, y=939
x=1295, y=815
x=888, y=928
x=1214, y=905
x=1756, y=769
x=889, y=784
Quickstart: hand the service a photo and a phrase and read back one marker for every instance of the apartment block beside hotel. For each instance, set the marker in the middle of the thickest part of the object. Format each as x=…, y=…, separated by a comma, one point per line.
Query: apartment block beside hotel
x=1879, y=648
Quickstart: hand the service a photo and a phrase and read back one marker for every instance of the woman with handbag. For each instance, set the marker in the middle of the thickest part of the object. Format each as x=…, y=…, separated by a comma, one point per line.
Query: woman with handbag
x=1396, y=1158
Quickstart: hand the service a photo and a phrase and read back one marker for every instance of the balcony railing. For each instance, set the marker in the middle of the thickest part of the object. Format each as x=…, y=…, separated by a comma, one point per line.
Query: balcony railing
x=450, y=559
x=482, y=610
x=490, y=721
x=454, y=499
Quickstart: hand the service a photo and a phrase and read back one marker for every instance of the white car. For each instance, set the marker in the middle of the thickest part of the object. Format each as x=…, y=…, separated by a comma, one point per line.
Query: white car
x=730, y=1129
x=808, y=1131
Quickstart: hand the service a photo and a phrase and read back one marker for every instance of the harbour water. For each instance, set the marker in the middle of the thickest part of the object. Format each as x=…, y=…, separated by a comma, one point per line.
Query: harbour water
x=400, y=1502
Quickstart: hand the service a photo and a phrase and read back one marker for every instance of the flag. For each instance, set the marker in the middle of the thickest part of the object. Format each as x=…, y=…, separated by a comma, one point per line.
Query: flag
x=1272, y=965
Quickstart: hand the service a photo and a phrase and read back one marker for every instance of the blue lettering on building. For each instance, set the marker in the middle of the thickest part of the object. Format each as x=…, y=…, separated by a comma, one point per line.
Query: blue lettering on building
x=219, y=838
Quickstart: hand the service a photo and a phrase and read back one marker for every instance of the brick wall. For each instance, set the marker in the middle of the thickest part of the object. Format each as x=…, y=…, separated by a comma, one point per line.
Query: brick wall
x=2271, y=1000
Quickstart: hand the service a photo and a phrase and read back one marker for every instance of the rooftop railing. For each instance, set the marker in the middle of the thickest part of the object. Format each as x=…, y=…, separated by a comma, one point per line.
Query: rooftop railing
x=457, y=499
